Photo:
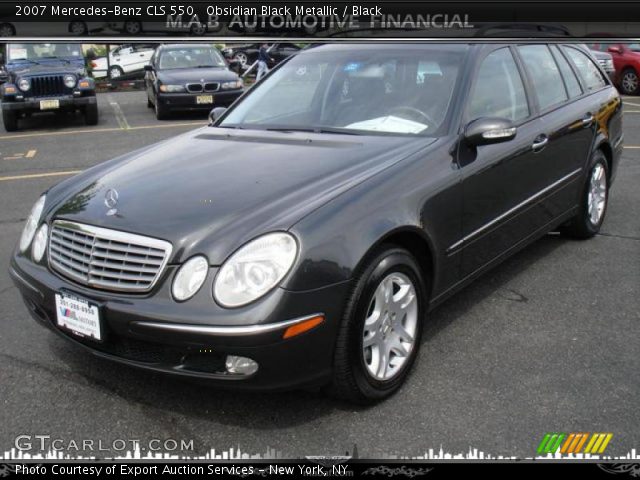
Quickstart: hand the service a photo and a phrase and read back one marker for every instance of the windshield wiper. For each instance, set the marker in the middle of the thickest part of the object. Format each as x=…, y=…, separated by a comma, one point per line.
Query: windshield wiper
x=53, y=57
x=338, y=131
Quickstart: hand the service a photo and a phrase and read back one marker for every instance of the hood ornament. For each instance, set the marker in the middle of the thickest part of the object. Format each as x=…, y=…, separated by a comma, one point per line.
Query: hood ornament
x=111, y=200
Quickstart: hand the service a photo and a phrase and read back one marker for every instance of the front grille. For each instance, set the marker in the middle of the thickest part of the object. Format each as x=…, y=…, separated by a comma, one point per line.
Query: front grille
x=211, y=87
x=107, y=259
x=47, y=86
x=194, y=87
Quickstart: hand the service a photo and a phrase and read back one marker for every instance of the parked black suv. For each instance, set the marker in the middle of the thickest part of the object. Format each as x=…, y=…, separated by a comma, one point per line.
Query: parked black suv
x=46, y=77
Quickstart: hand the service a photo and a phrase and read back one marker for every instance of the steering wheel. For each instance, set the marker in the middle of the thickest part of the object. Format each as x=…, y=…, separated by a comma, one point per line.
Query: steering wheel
x=423, y=115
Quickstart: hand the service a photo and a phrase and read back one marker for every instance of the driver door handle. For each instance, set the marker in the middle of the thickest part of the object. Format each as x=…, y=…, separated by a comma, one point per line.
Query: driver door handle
x=539, y=143
x=588, y=120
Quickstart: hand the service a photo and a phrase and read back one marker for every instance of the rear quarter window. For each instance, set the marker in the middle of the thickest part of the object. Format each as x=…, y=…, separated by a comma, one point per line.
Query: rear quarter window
x=544, y=74
x=588, y=70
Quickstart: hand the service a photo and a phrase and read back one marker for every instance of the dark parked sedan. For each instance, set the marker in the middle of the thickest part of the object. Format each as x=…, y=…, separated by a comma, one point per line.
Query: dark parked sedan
x=303, y=237
x=189, y=78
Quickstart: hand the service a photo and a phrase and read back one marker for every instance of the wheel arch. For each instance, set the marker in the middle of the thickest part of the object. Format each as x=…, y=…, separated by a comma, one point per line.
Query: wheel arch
x=417, y=242
x=602, y=144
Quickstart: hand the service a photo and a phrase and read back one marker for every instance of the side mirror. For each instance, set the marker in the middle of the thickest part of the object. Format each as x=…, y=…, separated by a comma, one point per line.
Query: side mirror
x=488, y=130
x=216, y=113
x=615, y=49
x=148, y=68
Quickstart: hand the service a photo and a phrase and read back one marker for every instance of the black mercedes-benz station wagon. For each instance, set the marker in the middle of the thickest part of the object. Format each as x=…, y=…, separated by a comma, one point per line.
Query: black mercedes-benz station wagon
x=301, y=239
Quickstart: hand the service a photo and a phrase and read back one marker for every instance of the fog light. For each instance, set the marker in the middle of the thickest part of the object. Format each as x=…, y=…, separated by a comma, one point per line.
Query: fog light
x=241, y=365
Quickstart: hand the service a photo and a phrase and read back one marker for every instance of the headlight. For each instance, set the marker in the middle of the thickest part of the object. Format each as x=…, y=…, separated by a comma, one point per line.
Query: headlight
x=172, y=88
x=70, y=81
x=255, y=269
x=24, y=84
x=31, y=225
x=190, y=278
x=40, y=243
x=229, y=85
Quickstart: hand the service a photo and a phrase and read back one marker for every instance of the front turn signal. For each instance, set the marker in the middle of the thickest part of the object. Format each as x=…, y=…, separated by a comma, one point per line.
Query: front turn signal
x=303, y=326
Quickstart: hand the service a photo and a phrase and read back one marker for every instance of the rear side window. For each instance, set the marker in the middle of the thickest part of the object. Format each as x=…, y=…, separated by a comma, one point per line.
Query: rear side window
x=588, y=70
x=498, y=91
x=570, y=79
x=544, y=74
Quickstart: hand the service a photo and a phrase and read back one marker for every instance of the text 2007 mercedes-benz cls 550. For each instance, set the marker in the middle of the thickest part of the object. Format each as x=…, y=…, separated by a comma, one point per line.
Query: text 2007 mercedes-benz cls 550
x=303, y=236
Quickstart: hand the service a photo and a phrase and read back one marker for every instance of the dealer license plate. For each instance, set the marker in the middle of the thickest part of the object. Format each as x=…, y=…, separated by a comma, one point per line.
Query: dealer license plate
x=78, y=315
x=49, y=104
x=204, y=99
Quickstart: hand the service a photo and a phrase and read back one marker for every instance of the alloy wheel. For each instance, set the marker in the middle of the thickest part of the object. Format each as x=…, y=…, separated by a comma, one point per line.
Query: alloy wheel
x=242, y=58
x=390, y=327
x=630, y=82
x=597, y=195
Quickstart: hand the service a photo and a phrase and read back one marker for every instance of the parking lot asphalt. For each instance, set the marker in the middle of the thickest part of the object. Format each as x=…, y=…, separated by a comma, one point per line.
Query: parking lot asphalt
x=547, y=342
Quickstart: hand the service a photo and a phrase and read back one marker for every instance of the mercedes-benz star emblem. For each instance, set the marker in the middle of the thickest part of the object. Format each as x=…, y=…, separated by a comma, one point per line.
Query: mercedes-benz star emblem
x=111, y=200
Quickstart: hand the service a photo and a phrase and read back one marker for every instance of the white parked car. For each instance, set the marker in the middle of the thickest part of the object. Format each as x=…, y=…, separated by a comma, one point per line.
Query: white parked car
x=123, y=60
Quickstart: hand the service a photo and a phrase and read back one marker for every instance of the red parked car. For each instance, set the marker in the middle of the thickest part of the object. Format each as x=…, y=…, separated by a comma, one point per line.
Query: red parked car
x=626, y=59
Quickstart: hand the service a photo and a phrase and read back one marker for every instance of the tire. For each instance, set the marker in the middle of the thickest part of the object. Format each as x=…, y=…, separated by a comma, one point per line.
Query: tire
x=78, y=28
x=198, y=30
x=629, y=82
x=10, y=120
x=242, y=59
x=91, y=114
x=357, y=375
x=161, y=112
x=7, y=30
x=593, y=201
x=115, y=72
x=132, y=28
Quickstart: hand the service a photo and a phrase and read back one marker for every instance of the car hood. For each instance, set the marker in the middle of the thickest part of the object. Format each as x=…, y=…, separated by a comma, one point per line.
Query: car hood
x=196, y=75
x=213, y=189
x=45, y=69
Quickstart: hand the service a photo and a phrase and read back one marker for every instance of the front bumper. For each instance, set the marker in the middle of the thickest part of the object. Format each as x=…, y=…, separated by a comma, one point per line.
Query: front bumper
x=155, y=333
x=68, y=102
x=187, y=101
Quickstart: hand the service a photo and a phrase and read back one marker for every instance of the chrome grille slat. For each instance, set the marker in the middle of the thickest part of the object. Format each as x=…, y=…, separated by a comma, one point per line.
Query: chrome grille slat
x=107, y=259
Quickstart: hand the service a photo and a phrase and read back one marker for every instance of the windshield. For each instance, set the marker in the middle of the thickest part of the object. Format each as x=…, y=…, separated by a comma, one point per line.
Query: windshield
x=399, y=90
x=189, y=57
x=39, y=51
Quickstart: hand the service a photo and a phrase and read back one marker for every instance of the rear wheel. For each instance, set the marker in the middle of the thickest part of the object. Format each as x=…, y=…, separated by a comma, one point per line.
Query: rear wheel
x=10, y=120
x=629, y=82
x=91, y=114
x=593, y=203
x=380, y=334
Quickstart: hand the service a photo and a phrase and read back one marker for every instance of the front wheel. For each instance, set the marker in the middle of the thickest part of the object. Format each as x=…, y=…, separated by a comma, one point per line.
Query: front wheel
x=161, y=111
x=380, y=334
x=593, y=201
x=10, y=120
x=91, y=114
x=115, y=72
